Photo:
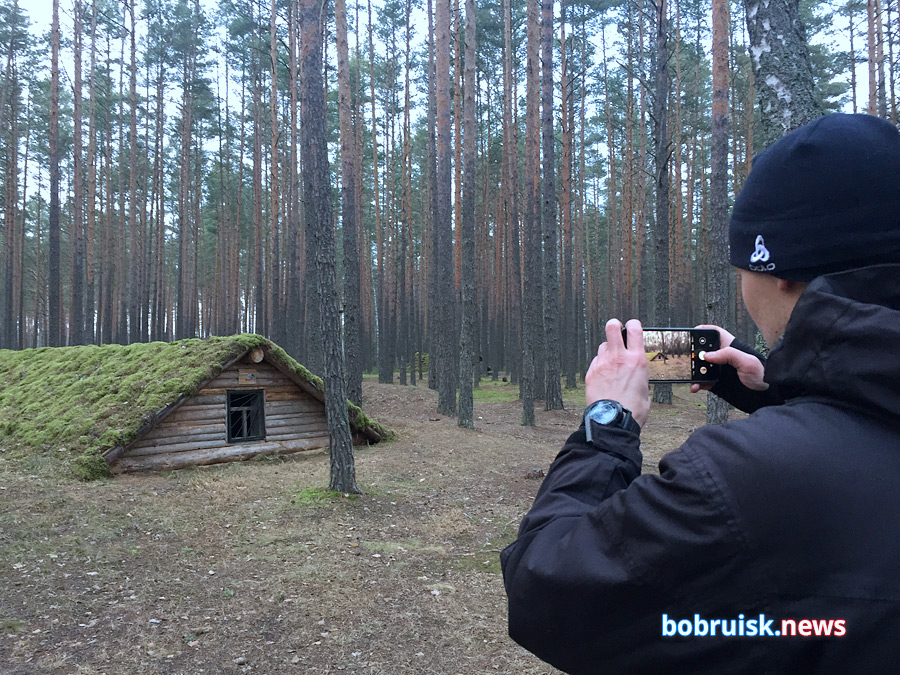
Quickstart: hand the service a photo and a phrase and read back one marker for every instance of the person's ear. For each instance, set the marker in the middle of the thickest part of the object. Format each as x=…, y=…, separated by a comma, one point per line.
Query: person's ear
x=791, y=287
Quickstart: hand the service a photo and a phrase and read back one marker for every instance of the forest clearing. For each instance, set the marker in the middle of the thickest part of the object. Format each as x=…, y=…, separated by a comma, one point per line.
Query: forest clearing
x=254, y=567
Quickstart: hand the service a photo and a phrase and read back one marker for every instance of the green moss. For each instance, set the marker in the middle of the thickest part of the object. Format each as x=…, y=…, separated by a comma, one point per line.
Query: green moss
x=91, y=466
x=76, y=403
x=316, y=496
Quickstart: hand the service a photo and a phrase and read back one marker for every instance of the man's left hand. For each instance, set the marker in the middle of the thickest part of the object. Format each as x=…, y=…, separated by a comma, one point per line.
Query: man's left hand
x=621, y=373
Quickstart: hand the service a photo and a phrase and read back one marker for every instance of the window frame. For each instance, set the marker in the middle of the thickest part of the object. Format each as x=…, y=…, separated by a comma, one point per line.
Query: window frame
x=259, y=403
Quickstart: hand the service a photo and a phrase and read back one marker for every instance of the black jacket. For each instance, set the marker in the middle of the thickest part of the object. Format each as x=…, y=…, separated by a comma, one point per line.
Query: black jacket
x=793, y=513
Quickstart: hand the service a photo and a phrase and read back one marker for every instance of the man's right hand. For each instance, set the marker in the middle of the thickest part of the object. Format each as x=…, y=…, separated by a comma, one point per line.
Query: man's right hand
x=750, y=369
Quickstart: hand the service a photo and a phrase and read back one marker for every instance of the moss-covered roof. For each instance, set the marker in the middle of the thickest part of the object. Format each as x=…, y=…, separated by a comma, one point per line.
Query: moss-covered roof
x=84, y=401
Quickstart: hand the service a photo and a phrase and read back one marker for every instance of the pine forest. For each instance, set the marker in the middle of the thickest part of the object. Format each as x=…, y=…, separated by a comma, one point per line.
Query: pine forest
x=434, y=192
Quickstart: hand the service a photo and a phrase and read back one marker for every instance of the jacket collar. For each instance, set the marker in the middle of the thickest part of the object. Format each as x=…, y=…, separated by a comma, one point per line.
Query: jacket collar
x=843, y=340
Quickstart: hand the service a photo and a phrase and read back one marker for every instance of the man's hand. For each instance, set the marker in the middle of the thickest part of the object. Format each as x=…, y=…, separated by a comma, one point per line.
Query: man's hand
x=749, y=368
x=621, y=373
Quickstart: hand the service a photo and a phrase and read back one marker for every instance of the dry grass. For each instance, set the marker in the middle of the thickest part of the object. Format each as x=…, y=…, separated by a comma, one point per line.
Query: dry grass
x=253, y=568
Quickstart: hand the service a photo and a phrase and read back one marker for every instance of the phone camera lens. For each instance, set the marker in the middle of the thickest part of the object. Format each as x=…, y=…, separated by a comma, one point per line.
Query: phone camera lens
x=702, y=340
x=703, y=370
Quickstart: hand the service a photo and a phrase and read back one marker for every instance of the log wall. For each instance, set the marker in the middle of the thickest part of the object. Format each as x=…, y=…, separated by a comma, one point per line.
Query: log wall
x=195, y=433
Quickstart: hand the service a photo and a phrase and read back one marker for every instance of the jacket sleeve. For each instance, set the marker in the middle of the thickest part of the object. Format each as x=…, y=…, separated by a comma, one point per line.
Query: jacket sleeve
x=604, y=552
x=730, y=387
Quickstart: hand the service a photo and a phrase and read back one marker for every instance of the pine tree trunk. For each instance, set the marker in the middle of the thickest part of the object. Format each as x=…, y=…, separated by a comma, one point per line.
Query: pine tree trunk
x=91, y=214
x=467, y=337
x=135, y=257
x=8, y=324
x=511, y=191
x=433, y=325
x=662, y=393
x=553, y=394
x=55, y=336
x=348, y=213
x=319, y=223
x=717, y=295
x=569, y=336
x=443, y=218
x=295, y=325
x=533, y=299
x=77, y=235
x=275, y=318
x=873, y=58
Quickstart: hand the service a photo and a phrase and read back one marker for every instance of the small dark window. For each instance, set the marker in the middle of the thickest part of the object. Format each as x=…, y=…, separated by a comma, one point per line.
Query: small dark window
x=246, y=416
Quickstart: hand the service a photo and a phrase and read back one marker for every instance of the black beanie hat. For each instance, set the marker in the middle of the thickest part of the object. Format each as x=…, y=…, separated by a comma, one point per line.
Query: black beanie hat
x=824, y=198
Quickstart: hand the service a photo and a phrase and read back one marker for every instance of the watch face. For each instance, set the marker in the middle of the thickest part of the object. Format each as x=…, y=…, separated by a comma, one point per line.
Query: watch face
x=604, y=412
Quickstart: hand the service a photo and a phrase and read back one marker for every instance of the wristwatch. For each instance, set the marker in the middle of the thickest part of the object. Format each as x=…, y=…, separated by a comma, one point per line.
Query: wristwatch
x=610, y=414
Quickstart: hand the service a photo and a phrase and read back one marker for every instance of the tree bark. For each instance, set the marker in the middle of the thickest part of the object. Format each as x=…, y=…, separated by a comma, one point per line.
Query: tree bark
x=348, y=212
x=467, y=351
x=433, y=313
x=717, y=293
x=55, y=336
x=77, y=235
x=662, y=393
x=553, y=394
x=781, y=67
x=533, y=311
x=569, y=334
x=443, y=218
x=319, y=222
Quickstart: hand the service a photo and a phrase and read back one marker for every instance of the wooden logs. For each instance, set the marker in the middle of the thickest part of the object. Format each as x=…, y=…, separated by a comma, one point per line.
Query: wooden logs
x=228, y=453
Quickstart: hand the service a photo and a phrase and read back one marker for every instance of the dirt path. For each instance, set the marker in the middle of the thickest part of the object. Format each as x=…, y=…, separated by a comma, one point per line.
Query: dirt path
x=251, y=568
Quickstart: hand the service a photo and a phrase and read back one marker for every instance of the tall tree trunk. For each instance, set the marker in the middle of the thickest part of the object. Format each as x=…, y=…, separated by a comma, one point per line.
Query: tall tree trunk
x=274, y=323
x=781, y=67
x=11, y=265
x=259, y=235
x=55, y=336
x=404, y=283
x=443, y=217
x=318, y=214
x=569, y=338
x=348, y=212
x=553, y=394
x=295, y=326
x=511, y=209
x=612, y=215
x=467, y=337
x=183, y=324
x=91, y=213
x=77, y=235
x=432, y=315
x=135, y=257
x=879, y=55
x=533, y=384
x=718, y=274
x=873, y=58
x=662, y=393
x=385, y=373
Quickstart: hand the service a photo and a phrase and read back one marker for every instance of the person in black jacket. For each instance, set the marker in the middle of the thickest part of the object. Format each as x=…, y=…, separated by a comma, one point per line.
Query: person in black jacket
x=768, y=544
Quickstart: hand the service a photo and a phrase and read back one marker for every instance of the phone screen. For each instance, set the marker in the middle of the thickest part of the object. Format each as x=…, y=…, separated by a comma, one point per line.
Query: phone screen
x=668, y=354
x=675, y=354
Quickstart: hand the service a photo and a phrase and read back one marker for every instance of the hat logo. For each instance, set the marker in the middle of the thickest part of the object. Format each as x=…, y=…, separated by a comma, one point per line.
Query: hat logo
x=761, y=254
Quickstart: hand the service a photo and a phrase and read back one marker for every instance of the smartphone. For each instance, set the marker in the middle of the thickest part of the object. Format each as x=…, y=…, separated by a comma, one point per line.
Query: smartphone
x=676, y=354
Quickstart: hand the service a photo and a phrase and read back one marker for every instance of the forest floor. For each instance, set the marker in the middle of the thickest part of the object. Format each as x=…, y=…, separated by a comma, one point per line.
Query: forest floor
x=255, y=568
